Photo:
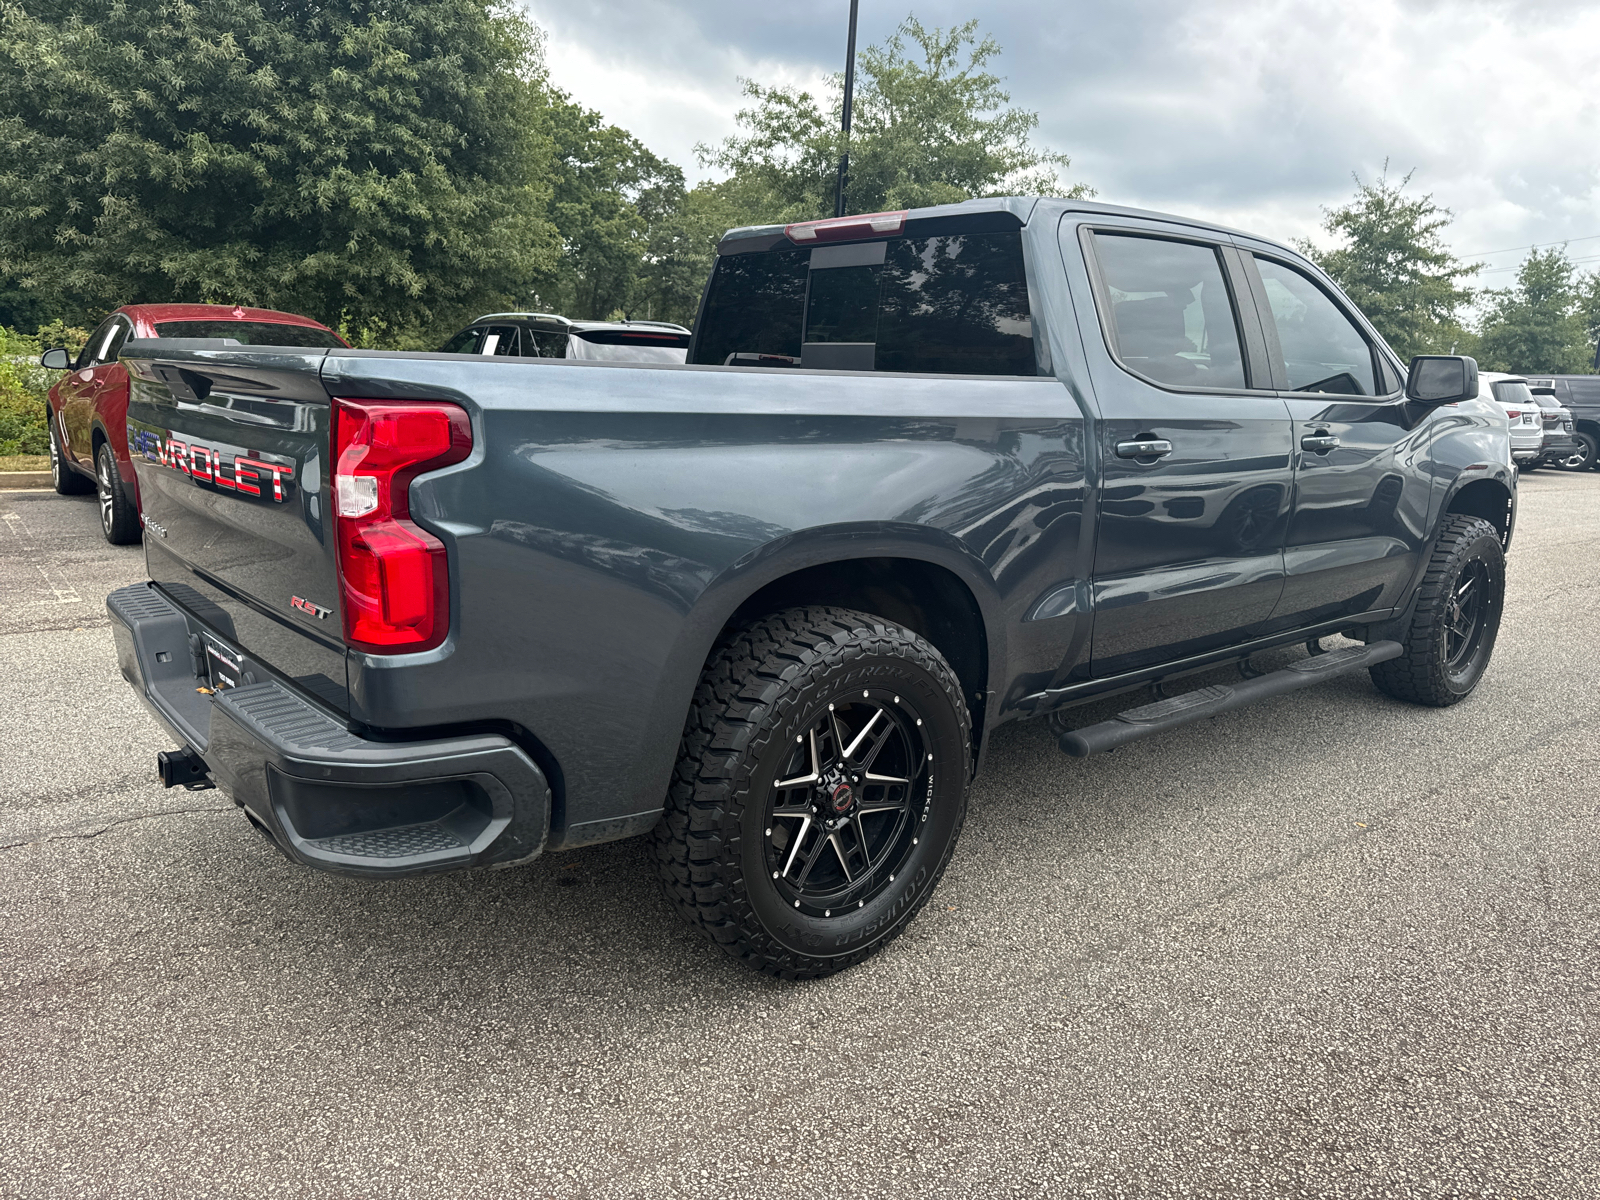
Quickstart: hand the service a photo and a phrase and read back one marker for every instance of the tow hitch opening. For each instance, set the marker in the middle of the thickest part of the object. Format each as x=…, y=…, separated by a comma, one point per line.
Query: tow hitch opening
x=183, y=768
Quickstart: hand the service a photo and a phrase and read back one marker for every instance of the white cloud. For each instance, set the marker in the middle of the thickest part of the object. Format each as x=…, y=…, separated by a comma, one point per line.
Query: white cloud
x=1252, y=113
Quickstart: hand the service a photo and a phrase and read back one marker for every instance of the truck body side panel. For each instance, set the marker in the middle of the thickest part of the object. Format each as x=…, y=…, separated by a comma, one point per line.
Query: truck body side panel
x=622, y=514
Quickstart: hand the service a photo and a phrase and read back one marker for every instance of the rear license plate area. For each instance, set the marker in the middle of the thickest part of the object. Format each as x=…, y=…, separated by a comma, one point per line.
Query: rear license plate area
x=224, y=665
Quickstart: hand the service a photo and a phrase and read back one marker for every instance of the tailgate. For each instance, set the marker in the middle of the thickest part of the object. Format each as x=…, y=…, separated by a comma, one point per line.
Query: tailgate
x=231, y=450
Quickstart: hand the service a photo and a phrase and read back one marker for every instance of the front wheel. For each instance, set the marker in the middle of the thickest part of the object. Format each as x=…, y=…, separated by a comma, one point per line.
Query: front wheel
x=119, y=520
x=819, y=791
x=1456, y=619
x=1584, y=458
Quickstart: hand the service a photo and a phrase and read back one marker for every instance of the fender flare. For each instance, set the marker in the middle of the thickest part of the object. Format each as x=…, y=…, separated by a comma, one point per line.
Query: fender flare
x=820, y=547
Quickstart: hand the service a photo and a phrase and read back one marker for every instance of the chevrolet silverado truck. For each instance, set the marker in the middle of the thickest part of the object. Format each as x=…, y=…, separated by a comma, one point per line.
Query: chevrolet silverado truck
x=924, y=473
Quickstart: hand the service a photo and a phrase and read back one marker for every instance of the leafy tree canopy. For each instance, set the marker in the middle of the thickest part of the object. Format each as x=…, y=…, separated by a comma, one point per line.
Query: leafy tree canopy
x=1392, y=261
x=931, y=124
x=379, y=160
x=1545, y=323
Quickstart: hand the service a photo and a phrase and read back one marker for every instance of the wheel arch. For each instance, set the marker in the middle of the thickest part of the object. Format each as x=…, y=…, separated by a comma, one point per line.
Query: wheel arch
x=1486, y=498
x=922, y=579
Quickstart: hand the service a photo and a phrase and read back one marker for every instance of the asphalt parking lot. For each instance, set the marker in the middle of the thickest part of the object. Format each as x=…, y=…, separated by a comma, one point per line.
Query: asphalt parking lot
x=1334, y=946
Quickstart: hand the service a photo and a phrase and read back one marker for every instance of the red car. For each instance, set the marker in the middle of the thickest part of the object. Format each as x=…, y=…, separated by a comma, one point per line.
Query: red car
x=89, y=406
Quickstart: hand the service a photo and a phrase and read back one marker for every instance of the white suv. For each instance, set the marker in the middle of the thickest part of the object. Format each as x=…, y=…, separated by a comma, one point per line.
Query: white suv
x=1511, y=393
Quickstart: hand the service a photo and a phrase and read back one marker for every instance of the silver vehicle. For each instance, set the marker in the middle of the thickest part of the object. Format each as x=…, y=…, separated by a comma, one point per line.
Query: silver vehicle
x=1561, y=447
x=1511, y=393
x=546, y=335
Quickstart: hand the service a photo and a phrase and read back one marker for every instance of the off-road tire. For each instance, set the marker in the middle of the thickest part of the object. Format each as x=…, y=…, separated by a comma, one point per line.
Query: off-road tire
x=1424, y=674
x=119, y=519
x=66, y=481
x=763, y=684
x=1581, y=461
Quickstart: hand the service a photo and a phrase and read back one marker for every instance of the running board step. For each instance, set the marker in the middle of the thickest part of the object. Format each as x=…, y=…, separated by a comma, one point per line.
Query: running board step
x=1208, y=701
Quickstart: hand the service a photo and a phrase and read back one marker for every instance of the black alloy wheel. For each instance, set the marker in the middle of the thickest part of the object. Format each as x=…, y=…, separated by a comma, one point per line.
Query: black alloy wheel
x=1466, y=616
x=1584, y=458
x=63, y=478
x=1450, y=633
x=841, y=821
x=119, y=520
x=819, y=791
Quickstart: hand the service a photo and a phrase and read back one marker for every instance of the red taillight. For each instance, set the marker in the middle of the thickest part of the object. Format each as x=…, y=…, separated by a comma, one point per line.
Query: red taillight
x=392, y=573
x=847, y=229
x=1513, y=414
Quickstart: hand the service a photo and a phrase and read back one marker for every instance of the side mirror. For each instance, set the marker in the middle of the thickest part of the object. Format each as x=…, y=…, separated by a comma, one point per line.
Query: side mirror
x=1442, y=379
x=55, y=360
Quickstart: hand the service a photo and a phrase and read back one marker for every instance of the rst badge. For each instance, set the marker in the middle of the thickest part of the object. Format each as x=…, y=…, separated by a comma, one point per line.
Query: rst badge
x=310, y=609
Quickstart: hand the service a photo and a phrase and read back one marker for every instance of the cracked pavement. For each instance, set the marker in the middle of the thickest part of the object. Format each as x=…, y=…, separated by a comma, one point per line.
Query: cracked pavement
x=1331, y=946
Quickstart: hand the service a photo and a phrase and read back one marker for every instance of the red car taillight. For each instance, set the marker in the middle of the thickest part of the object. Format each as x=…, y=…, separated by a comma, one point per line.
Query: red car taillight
x=393, y=575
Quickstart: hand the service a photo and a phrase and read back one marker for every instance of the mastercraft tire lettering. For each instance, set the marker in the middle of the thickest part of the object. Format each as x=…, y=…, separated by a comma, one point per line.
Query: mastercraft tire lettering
x=819, y=791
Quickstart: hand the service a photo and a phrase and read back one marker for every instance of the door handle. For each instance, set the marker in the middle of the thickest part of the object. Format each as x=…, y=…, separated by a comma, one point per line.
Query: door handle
x=1144, y=448
x=1319, y=443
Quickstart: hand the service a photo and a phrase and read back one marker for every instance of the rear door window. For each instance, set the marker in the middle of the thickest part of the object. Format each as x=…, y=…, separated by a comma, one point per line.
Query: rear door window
x=1323, y=350
x=537, y=343
x=954, y=304
x=1170, y=315
x=500, y=340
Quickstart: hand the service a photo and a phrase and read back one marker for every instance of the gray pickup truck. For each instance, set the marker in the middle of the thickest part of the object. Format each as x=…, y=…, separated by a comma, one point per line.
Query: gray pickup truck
x=923, y=473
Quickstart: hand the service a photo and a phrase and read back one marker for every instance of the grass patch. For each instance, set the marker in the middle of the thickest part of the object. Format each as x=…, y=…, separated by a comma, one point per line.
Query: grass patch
x=24, y=462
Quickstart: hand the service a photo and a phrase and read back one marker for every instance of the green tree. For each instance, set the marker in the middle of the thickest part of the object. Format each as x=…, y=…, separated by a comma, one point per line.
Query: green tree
x=930, y=125
x=1392, y=261
x=1589, y=314
x=373, y=160
x=610, y=197
x=1538, y=324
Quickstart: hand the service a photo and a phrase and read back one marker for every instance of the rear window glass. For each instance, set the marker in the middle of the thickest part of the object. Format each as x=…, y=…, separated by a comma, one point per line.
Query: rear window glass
x=251, y=333
x=755, y=306
x=951, y=305
x=621, y=345
x=1511, y=391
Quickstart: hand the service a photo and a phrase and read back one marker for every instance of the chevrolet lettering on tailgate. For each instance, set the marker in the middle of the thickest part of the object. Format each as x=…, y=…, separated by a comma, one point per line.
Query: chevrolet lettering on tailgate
x=224, y=468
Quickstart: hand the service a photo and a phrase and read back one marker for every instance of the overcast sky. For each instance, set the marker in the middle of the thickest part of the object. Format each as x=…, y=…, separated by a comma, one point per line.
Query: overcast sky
x=1252, y=112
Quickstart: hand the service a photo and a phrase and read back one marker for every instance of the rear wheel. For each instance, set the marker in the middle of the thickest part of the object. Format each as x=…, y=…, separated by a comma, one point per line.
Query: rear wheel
x=819, y=790
x=1584, y=458
x=67, y=481
x=1456, y=619
x=119, y=520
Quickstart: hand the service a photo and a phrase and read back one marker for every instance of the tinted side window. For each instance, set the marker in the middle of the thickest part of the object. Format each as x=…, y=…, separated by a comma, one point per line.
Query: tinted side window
x=500, y=340
x=1323, y=351
x=1584, y=391
x=1171, y=318
x=113, y=347
x=755, y=306
x=955, y=305
x=90, y=354
x=464, y=342
x=536, y=343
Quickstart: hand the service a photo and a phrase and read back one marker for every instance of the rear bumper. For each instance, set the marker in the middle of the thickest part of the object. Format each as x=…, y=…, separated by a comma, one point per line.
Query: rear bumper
x=329, y=798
